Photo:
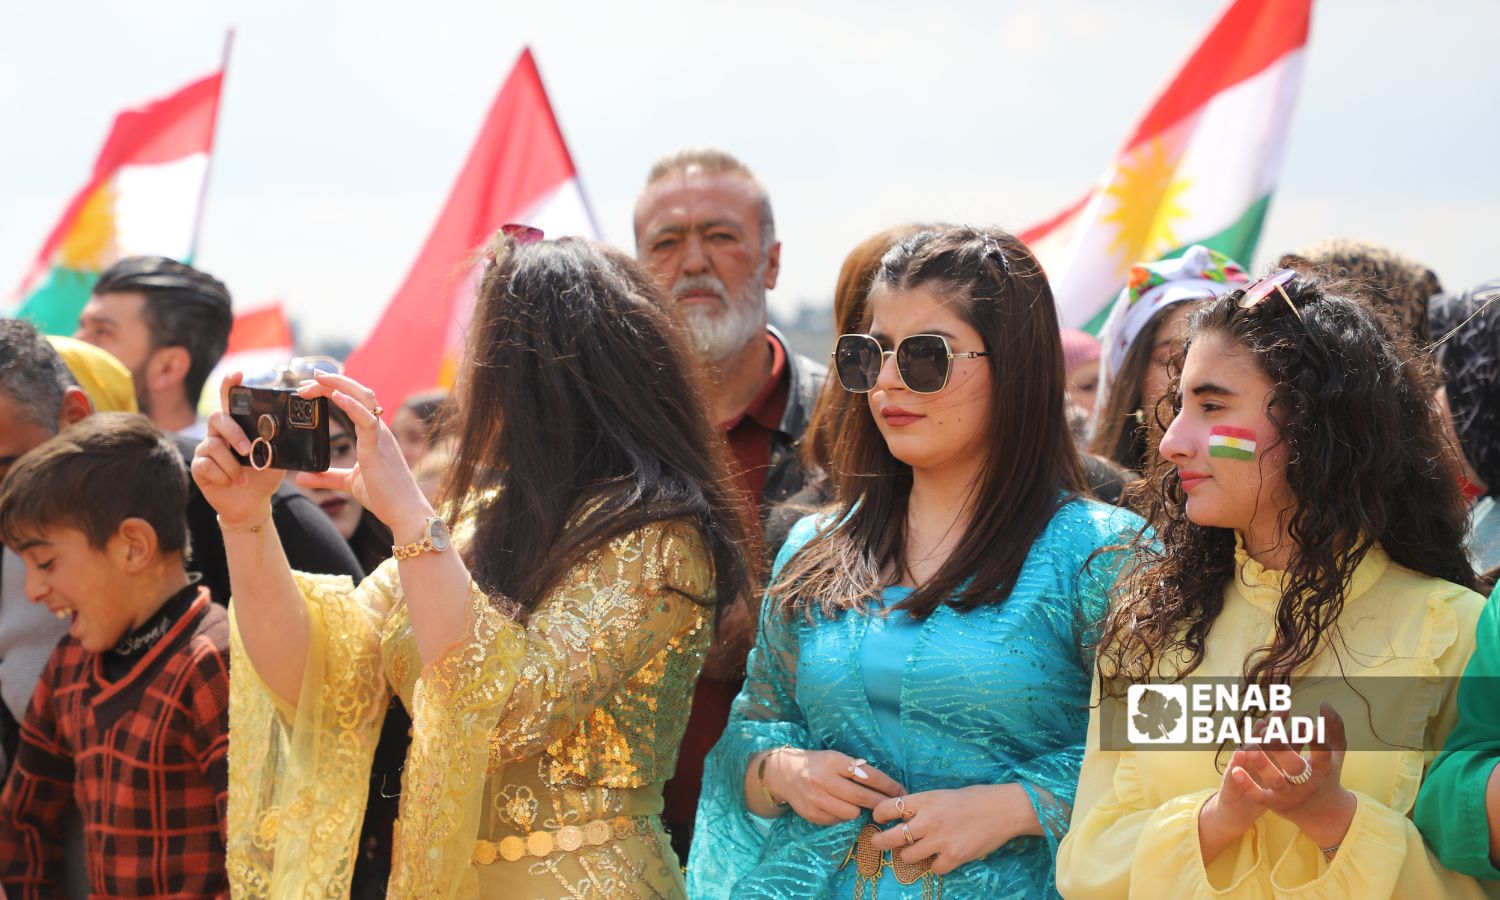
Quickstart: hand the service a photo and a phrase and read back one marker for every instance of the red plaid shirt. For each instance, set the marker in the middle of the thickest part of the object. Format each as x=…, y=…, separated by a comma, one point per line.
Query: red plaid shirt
x=142, y=759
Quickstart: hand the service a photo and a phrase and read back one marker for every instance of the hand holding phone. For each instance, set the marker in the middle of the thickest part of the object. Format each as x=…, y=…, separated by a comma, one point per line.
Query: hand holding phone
x=287, y=430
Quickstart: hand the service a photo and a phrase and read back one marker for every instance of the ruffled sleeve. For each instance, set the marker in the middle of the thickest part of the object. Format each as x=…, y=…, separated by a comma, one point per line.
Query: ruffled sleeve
x=1451, y=810
x=1383, y=853
x=1119, y=840
x=729, y=839
x=299, y=776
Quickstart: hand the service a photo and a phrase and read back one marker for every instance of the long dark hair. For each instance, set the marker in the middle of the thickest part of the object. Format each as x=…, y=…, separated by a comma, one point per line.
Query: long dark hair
x=578, y=401
x=1366, y=463
x=997, y=286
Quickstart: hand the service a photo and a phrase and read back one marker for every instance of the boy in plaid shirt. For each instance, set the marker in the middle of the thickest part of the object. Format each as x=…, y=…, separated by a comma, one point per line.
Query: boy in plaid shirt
x=130, y=721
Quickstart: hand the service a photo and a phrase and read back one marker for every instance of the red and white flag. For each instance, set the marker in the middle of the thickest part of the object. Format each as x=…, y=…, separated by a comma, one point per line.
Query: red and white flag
x=143, y=197
x=1199, y=167
x=519, y=171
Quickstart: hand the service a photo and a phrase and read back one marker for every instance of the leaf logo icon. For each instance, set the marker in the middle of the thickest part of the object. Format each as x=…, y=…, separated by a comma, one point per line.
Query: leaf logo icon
x=1156, y=713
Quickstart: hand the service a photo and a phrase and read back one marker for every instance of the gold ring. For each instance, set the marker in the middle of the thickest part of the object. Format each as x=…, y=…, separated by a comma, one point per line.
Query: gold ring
x=901, y=806
x=906, y=833
x=378, y=411
x=270, y=454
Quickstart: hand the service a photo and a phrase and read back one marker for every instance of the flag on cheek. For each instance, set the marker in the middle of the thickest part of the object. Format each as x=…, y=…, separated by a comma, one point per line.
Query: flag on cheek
x=1225, y=442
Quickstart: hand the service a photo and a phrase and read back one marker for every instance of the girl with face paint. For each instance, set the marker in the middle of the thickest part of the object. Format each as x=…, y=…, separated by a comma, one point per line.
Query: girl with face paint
x=1306, y=524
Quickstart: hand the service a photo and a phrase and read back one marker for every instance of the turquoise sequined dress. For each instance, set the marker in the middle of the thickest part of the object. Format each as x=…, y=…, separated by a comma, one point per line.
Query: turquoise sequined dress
x=999, y=694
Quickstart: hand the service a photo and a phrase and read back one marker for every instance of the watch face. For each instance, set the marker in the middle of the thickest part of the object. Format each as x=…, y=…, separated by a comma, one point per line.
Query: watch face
x=437, y=531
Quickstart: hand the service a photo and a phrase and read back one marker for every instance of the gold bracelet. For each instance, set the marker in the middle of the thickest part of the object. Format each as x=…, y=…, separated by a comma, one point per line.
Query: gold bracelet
x=760, y=776
x=243, y=529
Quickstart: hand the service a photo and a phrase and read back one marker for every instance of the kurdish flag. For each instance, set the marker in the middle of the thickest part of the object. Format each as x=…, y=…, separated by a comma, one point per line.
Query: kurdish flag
x=1199, y=168
x=519, y=171
x=1228, y=442
x=142, y=198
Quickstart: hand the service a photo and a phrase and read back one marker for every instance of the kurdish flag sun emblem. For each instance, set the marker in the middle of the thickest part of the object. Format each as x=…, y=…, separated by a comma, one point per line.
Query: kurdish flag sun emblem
x=1226, y=442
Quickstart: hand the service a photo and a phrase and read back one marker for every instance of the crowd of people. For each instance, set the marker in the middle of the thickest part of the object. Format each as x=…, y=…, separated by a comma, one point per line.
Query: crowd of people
x=651, y=605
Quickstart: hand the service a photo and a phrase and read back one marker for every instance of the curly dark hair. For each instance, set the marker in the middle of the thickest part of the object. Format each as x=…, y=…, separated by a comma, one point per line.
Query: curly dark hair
x=1366, y=463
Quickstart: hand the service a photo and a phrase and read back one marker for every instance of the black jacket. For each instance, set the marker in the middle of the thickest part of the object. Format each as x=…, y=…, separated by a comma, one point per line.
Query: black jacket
x=787, y=475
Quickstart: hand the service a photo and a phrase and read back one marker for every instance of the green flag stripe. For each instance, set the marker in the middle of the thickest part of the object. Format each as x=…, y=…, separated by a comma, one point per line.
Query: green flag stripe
x=1224, y=452
x=54, y=307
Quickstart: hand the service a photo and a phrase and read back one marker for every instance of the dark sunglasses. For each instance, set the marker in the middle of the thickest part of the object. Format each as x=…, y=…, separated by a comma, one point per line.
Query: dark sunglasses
x=924, y=362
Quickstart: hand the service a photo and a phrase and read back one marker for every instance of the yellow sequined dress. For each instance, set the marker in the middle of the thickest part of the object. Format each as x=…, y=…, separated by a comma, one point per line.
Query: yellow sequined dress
x=539, y=749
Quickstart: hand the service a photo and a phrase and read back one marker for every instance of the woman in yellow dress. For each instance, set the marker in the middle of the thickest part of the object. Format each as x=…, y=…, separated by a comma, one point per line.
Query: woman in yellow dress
x=1308, y=536
x=546, y=651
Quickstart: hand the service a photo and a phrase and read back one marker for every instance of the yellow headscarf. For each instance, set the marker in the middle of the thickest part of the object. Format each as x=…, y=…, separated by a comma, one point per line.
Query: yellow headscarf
x=104, y=378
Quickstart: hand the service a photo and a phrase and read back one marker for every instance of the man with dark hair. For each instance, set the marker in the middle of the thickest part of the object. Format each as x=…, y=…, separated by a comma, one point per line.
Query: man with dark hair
x=39, y=397
x=169, y=324
x=703, y=227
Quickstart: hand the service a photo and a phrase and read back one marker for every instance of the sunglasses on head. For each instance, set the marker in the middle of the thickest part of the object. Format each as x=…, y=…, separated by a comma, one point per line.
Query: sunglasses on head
x=1263, y=288
x=296, y=371
x=522, y=234
x=924, y=362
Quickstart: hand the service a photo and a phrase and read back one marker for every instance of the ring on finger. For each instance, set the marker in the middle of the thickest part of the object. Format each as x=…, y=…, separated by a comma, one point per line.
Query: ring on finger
x=906, y=834
x=901, y=807
x=1302, y=777
x=378, y=411
x=255, y=446
x=856, y=769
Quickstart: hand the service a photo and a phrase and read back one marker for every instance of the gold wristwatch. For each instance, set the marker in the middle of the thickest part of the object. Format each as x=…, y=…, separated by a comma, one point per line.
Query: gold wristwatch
x=434, y=540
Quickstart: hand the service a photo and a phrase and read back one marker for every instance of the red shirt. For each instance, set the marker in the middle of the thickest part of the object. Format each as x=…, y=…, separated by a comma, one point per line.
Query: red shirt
x=749, y=433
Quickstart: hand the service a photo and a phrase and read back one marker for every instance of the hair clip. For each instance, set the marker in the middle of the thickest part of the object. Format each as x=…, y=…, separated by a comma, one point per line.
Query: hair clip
x=514, y=233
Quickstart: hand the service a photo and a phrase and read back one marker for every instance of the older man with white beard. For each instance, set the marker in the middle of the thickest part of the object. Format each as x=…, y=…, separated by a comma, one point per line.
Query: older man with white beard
x=704, y=228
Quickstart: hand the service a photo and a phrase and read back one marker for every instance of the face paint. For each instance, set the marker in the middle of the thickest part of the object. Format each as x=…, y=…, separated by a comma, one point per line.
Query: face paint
x=1226, y=442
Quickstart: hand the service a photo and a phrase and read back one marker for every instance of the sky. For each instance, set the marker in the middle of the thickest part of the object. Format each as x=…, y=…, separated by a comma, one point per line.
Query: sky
x=344, y=124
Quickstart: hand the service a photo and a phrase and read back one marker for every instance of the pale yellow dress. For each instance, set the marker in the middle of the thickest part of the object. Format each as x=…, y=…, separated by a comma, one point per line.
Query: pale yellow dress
x=1135, y=820
x=538, y=750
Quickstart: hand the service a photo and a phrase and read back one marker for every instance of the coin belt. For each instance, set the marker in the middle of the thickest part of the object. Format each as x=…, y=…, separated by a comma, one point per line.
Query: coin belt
x=567, y=839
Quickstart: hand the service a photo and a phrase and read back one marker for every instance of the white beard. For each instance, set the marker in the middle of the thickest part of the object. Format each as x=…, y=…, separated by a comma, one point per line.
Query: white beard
x=720, y=332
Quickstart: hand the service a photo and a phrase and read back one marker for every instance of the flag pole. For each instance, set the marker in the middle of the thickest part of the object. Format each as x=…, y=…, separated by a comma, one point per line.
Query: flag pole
x=213, y=139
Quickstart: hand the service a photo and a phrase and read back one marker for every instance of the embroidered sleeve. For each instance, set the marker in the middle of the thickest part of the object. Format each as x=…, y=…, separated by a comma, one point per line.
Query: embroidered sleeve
x=510, y=691
x=299, y=777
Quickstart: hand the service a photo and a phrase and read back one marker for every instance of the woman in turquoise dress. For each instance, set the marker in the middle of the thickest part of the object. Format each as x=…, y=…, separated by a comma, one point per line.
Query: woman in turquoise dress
x=913, y=717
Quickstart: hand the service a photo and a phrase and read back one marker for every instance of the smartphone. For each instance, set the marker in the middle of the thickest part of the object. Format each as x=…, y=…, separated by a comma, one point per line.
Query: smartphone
x=287, y=431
